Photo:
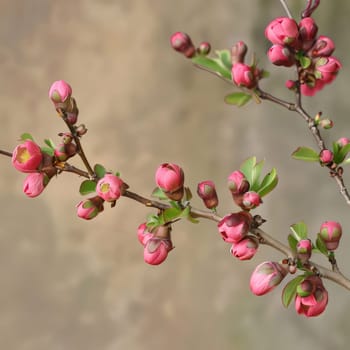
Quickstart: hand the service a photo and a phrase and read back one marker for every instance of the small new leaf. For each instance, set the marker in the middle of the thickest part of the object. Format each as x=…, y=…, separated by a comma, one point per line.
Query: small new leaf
x=50, y=143
x=99, y=170
x=247, y=168
x=299, y=230
x=306, y=154
x=290, y=290
x=238, y=99
x=26, y=136
x=87, y=186
x=212, y=65
x=48, y=150
x=158, y=193
x=171, y=213
x=292, y=242
x=321, y=246
x=268, y=183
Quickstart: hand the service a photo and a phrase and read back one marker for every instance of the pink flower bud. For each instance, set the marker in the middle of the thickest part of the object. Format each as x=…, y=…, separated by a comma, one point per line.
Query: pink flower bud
x=304, y=250
x=237, y=183
x=251, y=200
x=266, y=277
x=27, y=157
x=327, y=69
x=343, y=141
x=245, y=249
x=307, y=30
x=326, y=124
x=283, y=30
x=89, y=208
x=204, y=48
x=110, y=187
x=170, y=178
x=290, y=84
x=280, y=55
x=35, y=183
x=238, y=52
x=60, y=91
x=234, y=227
x=182, y=43
x=206, y=191
x=323, y=47
x=330, y=233
x=143, y=235
x=156, y=250
x=244, y=75
x=60, y=152
x=312, y=298
x=326, y=157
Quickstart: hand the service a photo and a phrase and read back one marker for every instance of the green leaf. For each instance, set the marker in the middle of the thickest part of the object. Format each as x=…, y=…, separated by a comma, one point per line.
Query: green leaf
x=299, y=230
x=154, y=221
x=99, y=170
x=269, y=182
x=186, y=213
x=256, y=172
x=26, y=136
x=48, y=150
x=341, y=154
x=264, y=74
x=305, y=62
x=158, y=193
x=87, y=186
x=170, y=214
x=238, y=99
x=213, y=65
x=247, y=168
x=224, y=58
x=292, y=242
x=321, y=246
x=290, y=290
x=306, y=154
x=50, y=143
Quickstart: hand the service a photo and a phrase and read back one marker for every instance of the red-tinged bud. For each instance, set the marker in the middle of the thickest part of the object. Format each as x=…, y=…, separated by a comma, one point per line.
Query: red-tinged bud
x=330, y=233
x=266, y=277
x=326, y=157
x=323, y=47
x=326, y=69
x=66, y=137
x=89, y=208
x=170, y=178
x=315, y=300
x=182, y=43
x=290, y=84
x=234, y=227
x=307, y=31
x=244, y=75
x=304, y=250
x=110, y=187
x=27, y=157
x=251, y=200
x=34, y=184
x=343, y=141
x=311, y=89
x=280, y=55
x=71, y=149
x=237, y=183
x=60, y=152
x=283, y=31
x=204, y=48
x=60, y=92
x=245, y=249
x=206, y=190
x=238, y=52
x=143, y=234
x=81, y=130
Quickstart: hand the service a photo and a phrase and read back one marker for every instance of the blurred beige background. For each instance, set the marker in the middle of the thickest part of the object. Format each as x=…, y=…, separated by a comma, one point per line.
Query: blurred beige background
x=67, y=284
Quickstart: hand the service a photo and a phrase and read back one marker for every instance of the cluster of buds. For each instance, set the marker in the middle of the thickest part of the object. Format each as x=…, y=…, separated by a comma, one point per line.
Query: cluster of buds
x=243, y=75
x=108, y=189
x=182, y=43
x=298, y=44
x=28, y=157
x=156, y=244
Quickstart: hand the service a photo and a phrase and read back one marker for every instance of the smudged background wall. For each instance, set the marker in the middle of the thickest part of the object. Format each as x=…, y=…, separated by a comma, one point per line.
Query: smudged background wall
x=71, y=284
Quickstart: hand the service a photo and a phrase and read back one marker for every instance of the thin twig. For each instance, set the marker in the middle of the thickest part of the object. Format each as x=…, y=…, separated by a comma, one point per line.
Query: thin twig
x=286, y=8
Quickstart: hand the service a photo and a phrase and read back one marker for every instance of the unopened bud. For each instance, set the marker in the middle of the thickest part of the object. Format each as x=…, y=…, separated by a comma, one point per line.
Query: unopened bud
x=182, y=43
x=204, y=48
x=238, y=52
x=206, y=190
x=326, y=157
x=326, y=124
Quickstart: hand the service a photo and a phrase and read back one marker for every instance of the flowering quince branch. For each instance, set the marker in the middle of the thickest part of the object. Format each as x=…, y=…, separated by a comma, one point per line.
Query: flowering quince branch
x=294, y=45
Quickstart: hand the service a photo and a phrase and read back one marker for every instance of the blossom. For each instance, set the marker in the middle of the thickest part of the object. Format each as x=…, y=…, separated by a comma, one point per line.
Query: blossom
x=90, y=208
x=109, y=187
x=60, y=91
x=182, y=43
x=206, y=191
x=282, y=30
x=170, y=178
x=35, y=183
x=330, y=233
x=245, y=249
x=234, y=227
x=156, y=250
x=27, y=156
